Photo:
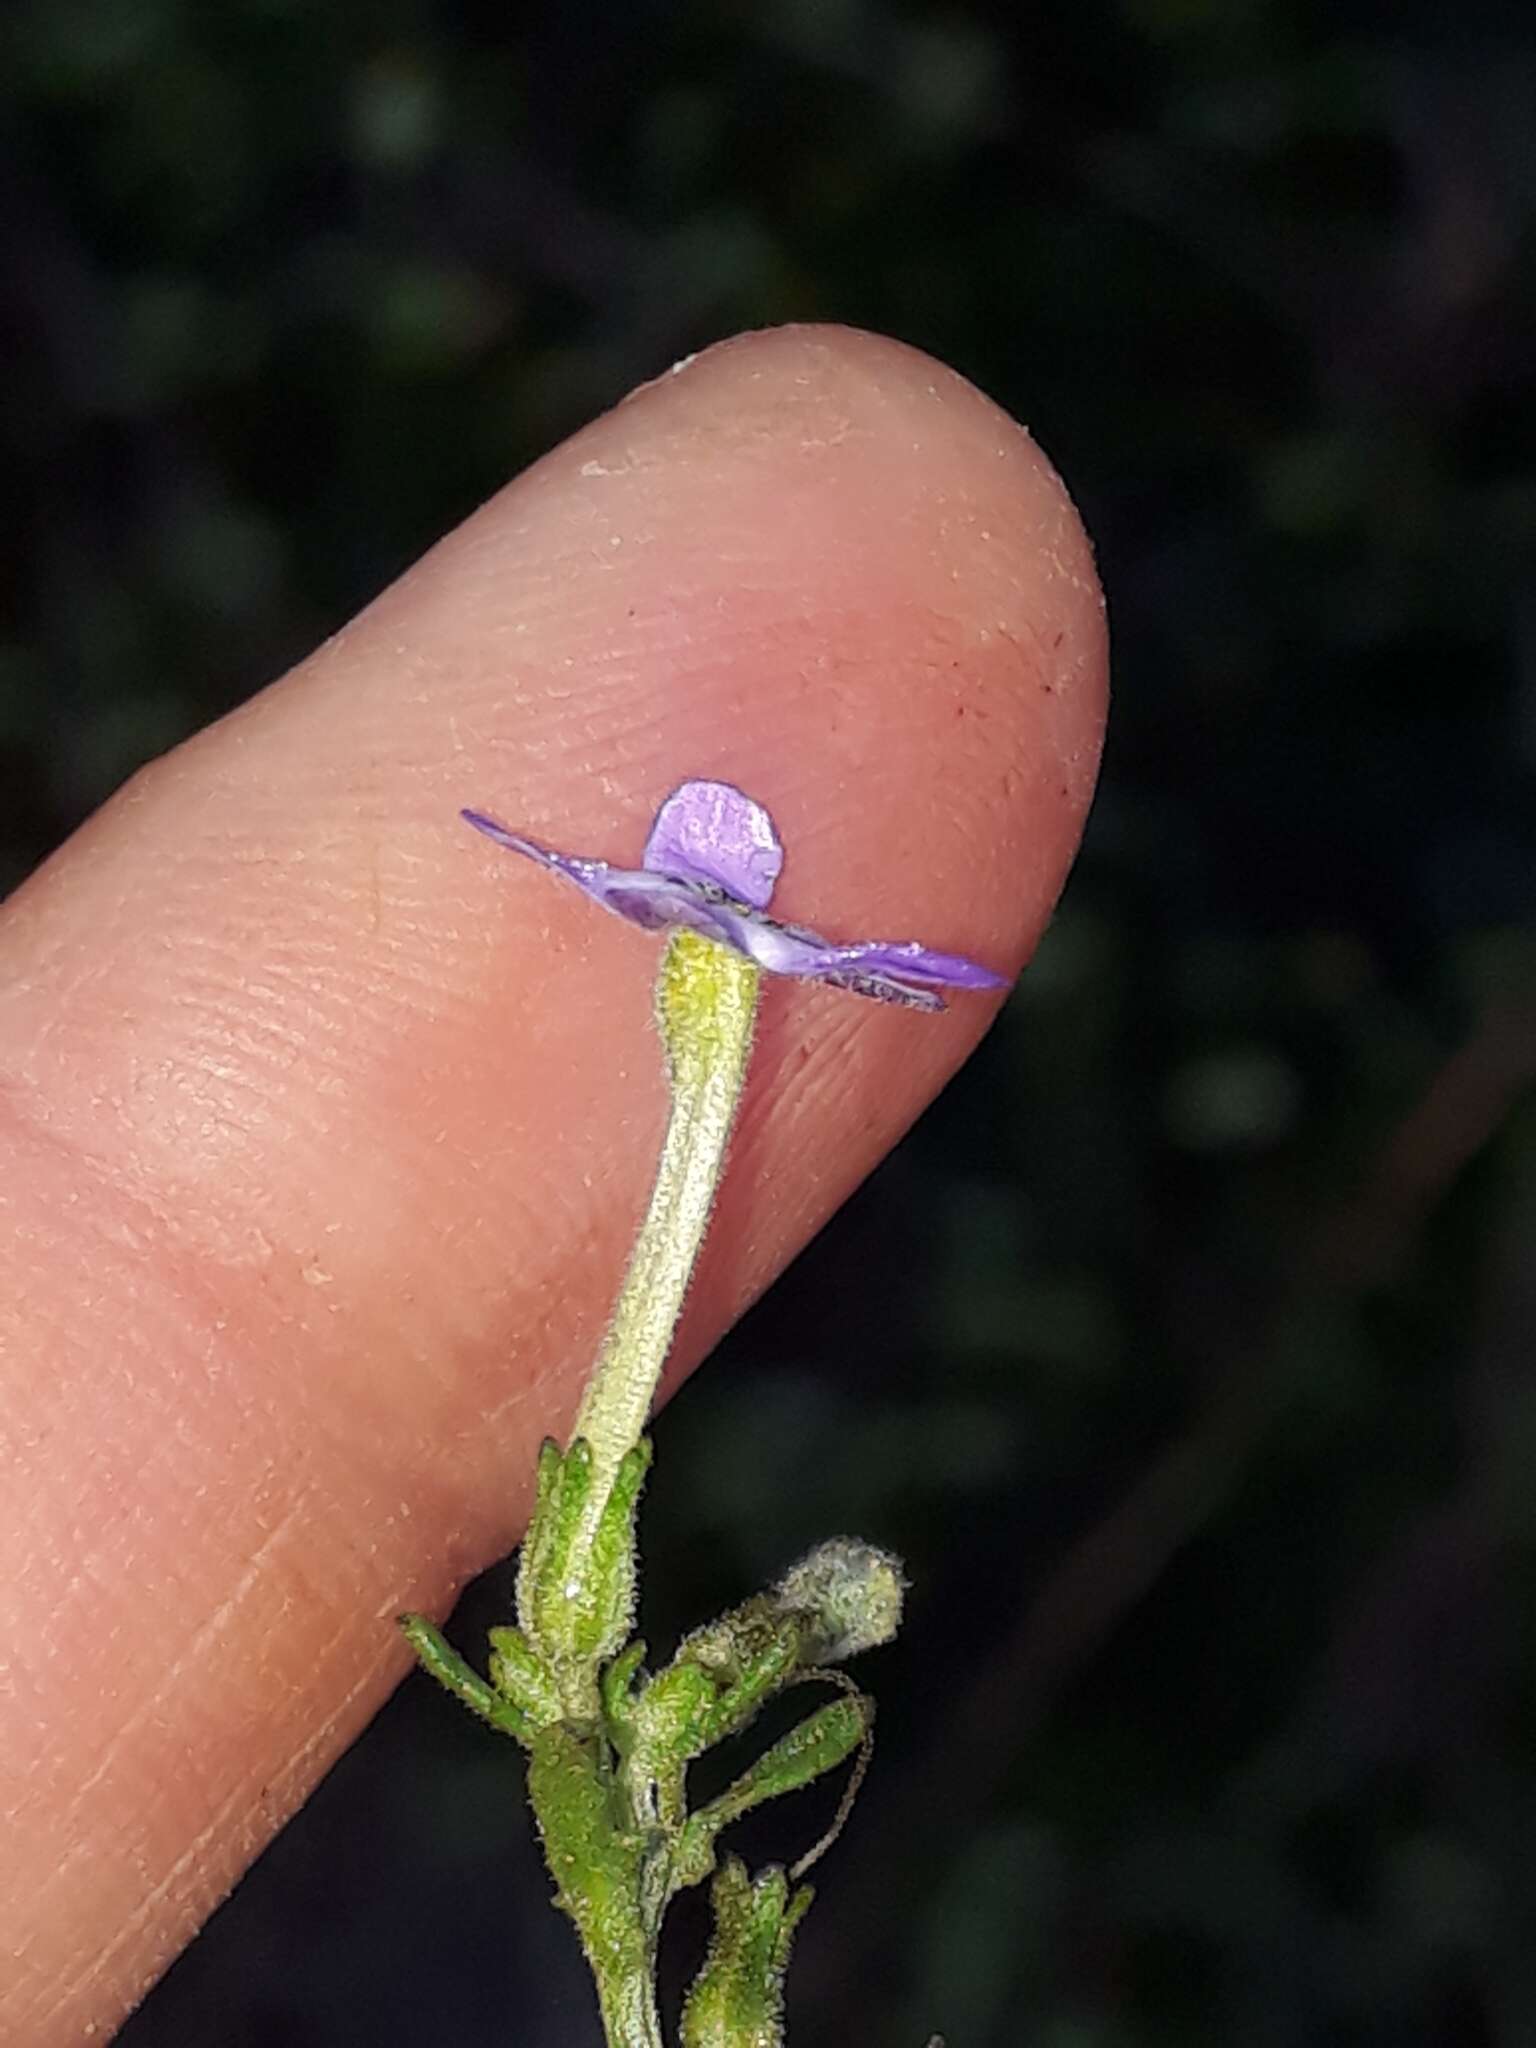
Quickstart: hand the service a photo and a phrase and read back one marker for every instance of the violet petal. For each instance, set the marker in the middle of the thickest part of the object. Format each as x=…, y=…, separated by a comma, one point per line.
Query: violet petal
x=906, y=960
x=892, y=972
x=580, y=871
x=710, y=832
x=650, y=901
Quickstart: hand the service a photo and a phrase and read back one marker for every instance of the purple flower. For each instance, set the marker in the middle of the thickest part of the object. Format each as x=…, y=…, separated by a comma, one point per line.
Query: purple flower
x=711, y=863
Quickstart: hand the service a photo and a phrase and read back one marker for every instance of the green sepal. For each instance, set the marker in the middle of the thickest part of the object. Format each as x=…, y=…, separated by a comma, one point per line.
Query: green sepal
x=438, y=1657
x=737, y=1999
x=549, y=1477
x=616, y=1687
x=519, y=1675
x=672, y=1713
x=813, y=1747
x=742, y=1638
x=576, y=1580
x=766, y=1668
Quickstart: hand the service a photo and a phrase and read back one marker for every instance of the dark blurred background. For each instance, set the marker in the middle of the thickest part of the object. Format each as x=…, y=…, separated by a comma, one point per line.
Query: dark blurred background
x=1199, y=1386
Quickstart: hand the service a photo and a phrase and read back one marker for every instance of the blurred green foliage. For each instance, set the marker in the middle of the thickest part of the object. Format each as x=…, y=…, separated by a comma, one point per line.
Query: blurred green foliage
x=1199, y=1389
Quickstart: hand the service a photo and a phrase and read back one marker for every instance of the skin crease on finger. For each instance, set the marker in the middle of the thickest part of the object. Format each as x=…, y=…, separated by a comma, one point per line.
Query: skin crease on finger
x=325, y=1124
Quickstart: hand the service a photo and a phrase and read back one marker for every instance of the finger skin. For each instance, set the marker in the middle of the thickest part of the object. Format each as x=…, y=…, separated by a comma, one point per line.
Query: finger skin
x=325, y=1123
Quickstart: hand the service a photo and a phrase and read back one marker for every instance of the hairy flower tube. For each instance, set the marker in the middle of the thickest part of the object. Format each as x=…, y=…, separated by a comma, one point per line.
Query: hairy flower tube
x=609, y=1742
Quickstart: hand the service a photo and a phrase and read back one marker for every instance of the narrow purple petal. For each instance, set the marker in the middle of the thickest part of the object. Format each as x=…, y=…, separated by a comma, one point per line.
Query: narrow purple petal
x=709, y=832
x=890, y=972
x=590, y=875
x=651, y=901
x=882, y=988
x=563, y=863
x=908, y=961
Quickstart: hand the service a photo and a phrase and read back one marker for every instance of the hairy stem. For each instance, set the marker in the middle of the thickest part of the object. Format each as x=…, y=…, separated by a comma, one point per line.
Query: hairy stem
x=597, y=1858
x=706, y=1001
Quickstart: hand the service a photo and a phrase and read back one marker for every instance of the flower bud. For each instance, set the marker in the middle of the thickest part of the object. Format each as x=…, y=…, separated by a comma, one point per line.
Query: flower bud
x=576, y=1578
x=847, y=1597
x=737, y=2000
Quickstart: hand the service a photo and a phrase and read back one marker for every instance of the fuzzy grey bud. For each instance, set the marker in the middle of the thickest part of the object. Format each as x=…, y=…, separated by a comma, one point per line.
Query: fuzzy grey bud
x=848, y=1597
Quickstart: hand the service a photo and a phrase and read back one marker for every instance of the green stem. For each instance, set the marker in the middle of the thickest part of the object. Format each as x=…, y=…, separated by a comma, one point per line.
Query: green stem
x=706, y=1000
x=628, y=2007
x=597, y=1857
